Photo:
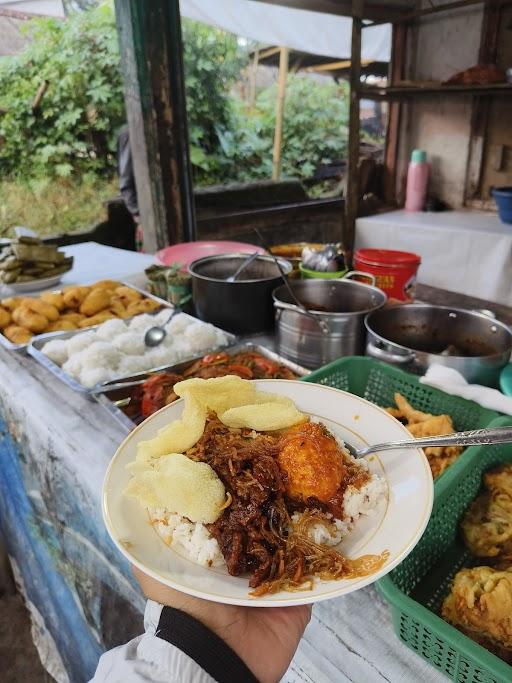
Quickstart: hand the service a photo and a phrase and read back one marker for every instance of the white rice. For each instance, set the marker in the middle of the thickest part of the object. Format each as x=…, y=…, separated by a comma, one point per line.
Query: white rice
x=110, y=329
x=191, y=538
x=56, y=350
x=89, y=377
x=199, y=546
x=100, y=354
x=142, y=322
x=80, y=342
x=130, y=343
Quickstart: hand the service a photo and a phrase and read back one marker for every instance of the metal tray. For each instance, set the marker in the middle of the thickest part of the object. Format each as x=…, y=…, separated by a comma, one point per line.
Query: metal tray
x=36, y=344
x=24, y=347
x=107, y=399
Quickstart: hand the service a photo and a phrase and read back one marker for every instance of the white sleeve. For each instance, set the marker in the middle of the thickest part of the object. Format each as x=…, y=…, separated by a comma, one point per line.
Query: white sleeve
x=149, y=659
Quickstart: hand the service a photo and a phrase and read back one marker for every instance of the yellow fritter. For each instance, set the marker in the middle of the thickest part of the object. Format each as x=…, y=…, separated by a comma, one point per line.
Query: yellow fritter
x=55, y=299
x=73, y=296
x=480, y=605
x=5, y=317
x=62, y=325
x=96, y=301
x=18, y=334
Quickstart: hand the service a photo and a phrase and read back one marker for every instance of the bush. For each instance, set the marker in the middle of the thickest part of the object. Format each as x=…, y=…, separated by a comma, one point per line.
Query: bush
x=75, y=127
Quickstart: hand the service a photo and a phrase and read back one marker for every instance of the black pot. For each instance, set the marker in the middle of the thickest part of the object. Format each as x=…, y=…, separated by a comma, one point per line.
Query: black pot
x=244, y=306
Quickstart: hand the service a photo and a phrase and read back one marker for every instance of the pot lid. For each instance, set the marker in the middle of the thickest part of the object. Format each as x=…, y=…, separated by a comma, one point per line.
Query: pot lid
x=388, y=257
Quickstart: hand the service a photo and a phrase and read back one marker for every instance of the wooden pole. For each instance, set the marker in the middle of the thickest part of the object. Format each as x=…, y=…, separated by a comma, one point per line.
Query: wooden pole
x=152, y=64
x=278, y=133
x=352, y=198
x=252, y=79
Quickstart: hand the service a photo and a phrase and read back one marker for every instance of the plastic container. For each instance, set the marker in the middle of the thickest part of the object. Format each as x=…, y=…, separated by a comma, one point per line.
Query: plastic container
x=416, y=589
x=395, y=271
x=309, y=274
x=503, y=197
x=417, y=181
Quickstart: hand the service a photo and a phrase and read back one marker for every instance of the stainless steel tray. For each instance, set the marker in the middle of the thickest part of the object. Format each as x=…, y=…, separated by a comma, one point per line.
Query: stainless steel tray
x=36, y=344
x=24, y=347
x=107, y=399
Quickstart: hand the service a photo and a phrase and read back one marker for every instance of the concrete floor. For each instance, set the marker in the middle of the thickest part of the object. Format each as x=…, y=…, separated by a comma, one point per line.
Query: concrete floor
x=19, y=660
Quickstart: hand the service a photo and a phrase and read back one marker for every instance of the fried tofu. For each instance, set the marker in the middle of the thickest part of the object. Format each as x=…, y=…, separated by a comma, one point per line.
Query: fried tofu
x=480, y=605
x=422, y=424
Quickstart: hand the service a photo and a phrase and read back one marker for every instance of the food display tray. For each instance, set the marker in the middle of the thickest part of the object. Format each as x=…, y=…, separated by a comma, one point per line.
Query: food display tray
x=416, y=589
x=37, y=343
x=25, y=347
x=108, y=399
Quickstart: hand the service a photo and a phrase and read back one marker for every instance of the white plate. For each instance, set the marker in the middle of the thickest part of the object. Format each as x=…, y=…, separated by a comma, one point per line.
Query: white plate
x=36, y=285
x=397, y=526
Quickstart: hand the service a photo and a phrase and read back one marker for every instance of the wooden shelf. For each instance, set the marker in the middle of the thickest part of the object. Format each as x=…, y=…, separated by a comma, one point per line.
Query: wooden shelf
x=393, y=92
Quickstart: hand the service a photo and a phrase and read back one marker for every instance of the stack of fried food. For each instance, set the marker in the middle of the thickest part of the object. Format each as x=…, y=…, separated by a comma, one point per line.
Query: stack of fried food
x=72, y=308
x=425, y=424
x=480, y=601
x=27, y=258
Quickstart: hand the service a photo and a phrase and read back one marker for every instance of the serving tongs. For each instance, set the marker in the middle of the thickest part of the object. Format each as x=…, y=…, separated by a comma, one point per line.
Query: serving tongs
x=476, y=437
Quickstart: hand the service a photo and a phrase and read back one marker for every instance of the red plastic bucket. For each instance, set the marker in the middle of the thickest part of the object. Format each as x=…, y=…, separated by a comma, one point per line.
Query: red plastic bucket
x=395, y=271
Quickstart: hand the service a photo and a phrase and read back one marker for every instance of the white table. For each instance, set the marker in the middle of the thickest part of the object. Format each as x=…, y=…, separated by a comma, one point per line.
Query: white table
x=461, y=251
x=55, y=446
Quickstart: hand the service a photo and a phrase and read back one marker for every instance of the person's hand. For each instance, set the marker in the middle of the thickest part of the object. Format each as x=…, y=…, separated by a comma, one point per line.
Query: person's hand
x=265, y=638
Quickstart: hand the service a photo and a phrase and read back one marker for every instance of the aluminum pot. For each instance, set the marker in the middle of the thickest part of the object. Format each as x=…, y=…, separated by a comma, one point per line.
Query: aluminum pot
x=334, y=325
x=243, y=306
x=415, y=336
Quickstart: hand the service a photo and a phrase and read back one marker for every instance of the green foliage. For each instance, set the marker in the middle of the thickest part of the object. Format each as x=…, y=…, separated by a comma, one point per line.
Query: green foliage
x=73, y=130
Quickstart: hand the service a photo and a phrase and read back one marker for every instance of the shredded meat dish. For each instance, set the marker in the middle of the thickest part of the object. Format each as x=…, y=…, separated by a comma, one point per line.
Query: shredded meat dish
x=268, y=477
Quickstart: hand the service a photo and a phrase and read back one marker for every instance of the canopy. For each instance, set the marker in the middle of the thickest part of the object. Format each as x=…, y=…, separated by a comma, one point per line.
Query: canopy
x=312, y=32
x=48, y=8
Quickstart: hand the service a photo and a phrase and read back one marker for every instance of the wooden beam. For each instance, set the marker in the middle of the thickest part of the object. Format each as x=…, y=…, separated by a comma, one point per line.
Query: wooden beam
x=481, y=106
x=398, y=50
x=253, y=76
x=269, y=52
x=281, y=94
x=151, y=60
x=333, y=66
x=352, y=199
x=435, y=9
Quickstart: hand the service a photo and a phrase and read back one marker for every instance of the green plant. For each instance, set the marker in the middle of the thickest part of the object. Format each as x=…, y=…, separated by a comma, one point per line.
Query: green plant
x=72, y=130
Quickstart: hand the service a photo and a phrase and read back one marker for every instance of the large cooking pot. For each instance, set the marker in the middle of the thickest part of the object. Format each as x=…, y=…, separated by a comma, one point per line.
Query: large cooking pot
x=416, y=336
x=243, y=306
x=333, y=327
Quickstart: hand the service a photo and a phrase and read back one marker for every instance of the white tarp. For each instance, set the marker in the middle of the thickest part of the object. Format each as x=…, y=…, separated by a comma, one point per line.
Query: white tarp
x=314, y=32
x=48, y=8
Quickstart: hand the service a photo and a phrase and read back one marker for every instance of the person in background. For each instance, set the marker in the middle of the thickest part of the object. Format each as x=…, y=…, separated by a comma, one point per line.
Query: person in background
x=127, y=185
x=188, y=640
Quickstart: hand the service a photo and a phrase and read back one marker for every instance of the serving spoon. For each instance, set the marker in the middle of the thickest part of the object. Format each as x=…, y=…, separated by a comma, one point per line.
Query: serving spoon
x=252, y=257
x=476, y=437
x=156, y=334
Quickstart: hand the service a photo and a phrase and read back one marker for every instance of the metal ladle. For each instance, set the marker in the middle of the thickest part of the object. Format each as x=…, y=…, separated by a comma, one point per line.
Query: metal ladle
x=252, y=257
x=322, y=324
x=476, y=437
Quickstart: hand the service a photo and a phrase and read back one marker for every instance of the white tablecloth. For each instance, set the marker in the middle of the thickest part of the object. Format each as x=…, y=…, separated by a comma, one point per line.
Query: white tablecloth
x=461, y=251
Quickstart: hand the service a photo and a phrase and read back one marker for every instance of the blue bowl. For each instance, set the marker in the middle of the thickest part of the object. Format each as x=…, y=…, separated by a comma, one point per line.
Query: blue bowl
x=503, y=197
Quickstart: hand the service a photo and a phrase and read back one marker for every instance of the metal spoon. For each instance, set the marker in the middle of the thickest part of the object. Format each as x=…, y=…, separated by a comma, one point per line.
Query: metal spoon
x=252, y=257
x=322, y=324
x=476, y=437
x=155, y=335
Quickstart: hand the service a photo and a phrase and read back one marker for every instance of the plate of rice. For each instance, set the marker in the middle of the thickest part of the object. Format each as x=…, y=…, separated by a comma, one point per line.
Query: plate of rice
x=242, y=492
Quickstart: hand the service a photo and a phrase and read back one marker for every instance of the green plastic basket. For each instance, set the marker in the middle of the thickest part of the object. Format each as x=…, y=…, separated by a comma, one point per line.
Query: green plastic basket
x=416, y=589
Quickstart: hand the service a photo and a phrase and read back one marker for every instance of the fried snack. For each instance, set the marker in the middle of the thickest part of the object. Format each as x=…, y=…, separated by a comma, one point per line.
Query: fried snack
x=18, y=334
x=11, y=303
x=43, y=308
x=62, y=325
x=97, y=300
x=35, y=322
x=96, y=319
x=142, y=306
x=105, y=284
x=422, y=424
x=487, y=524
x=54, y=298
x=73, y=317
x=480, y=605
x=73, y=296
x=117, y=307
x=127, y=294
x=5, y=317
